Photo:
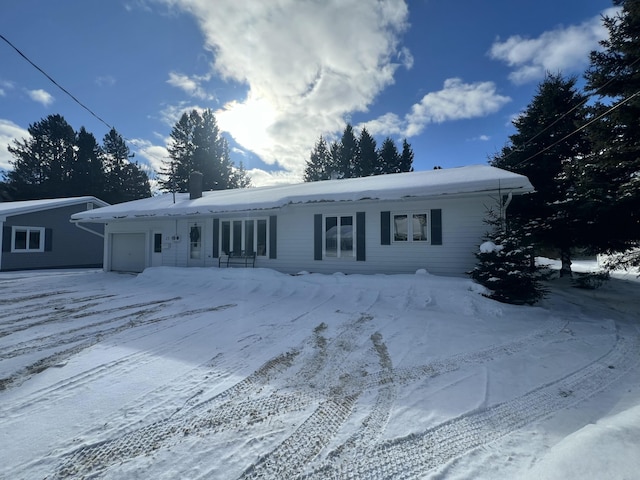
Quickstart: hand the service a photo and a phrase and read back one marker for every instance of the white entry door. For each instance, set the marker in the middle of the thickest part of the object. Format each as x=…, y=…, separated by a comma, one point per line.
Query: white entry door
x=196, y=250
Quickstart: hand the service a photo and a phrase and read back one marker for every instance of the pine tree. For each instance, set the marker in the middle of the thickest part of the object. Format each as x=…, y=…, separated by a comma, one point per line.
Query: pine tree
x=43, y=163
x=318, y=166
x=505, y=264
x=197, y=144
x=123, y=181
x=88, y=174
x=547, y=142
x=368, y=158
x=388, y=157
x=348, y=153
x=406, y=157
x=609, y=180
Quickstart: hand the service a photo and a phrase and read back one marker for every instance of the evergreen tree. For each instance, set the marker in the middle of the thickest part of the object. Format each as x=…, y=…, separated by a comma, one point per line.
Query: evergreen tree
x=368, y=158
x=505, y=264
x=88, y=175
x=123, y=181
x=406, y=157
x=609, y=180
x=198, y=145
x=388, y=157
x=348, y=153
x=547, y=141
x=319, y=165
x=356, y=157
x=43, y=164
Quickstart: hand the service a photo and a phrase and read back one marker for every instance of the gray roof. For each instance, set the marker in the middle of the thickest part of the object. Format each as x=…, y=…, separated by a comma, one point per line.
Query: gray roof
x=8, y=209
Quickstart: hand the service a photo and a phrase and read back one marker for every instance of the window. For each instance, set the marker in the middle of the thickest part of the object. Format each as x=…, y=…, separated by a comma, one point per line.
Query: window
x=247, y=235
x=157, y=243
x=338, y=236
x=410, y=227
x=27, y=239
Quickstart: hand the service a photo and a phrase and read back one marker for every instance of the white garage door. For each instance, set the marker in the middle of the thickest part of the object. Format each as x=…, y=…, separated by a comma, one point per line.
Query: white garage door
x=128, y=252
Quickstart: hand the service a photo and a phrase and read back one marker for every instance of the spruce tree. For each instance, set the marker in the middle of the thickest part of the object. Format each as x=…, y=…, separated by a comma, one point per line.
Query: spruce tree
x=406, y=157
x=43, y=163
x=197, y=144
x=123, y=181
x=388, y=157
x=318, y=166
x=348, y=153
x=368, y=158
x=505, y=264
x=548, y=140
x=88, y=174
x=609, y=180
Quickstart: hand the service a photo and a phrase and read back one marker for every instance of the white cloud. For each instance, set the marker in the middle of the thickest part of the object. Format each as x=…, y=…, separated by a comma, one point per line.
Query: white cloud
x=456, y=101
x=4, y=86
x=41, y=96
x=387, y=124
x=9, y=131
x=106, y=81
x=154, y=154
x=565, y=49
x=262, y=178
x=190, y=85
x=306, y=66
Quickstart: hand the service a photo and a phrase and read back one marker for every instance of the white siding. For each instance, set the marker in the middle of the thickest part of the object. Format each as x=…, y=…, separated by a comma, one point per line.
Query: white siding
x=462, y=231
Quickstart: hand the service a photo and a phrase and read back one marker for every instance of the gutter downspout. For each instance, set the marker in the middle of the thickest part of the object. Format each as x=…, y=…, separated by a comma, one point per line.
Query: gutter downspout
x=77, y=224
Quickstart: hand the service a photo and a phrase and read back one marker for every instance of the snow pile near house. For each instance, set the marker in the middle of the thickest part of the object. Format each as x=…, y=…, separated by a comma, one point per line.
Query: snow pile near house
x=249, y=373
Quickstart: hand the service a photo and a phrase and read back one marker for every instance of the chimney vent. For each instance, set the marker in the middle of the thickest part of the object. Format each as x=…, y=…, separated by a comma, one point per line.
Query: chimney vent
x=195, y=185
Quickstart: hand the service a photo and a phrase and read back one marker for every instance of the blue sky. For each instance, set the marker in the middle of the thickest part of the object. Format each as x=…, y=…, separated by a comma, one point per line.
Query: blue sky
x=448, y=76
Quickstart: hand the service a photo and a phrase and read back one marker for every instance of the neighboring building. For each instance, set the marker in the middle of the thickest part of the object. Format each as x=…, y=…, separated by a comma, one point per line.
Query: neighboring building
x=38, y=234
x=394, y=223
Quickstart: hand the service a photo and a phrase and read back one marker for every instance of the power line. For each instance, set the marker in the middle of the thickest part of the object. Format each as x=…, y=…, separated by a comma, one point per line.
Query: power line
x=95, y=115
x=54, y=82
x=593, y=120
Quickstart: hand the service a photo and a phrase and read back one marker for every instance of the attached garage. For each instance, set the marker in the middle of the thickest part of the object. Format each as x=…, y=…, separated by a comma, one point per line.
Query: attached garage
x=128, y=252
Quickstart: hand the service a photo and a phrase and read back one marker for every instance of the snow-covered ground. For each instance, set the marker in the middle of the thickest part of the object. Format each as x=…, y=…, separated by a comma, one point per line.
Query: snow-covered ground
x=243, y=373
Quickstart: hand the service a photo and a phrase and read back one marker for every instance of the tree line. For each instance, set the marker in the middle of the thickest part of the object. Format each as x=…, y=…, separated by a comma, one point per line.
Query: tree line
x=581, y=152
x=56, y=161
x=353, y=156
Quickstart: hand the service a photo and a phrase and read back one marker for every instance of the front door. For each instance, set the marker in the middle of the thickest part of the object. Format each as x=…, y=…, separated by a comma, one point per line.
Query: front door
x=196, y=252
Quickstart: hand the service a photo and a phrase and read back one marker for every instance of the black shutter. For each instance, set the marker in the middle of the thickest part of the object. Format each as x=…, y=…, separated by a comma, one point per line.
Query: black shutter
x=361, y=255
x=6, y=239
x=273, y=236
x=385, y=228
x=216, y=238
x=436, y=226
x=48, y=239
x=317, y=236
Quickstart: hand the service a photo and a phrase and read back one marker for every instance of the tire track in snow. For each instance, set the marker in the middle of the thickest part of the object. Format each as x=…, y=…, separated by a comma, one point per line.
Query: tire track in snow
x=94, y=459
x=55, y=339
x=87, y=340
x=373, y=424
x=291, y=456
x=415, y=455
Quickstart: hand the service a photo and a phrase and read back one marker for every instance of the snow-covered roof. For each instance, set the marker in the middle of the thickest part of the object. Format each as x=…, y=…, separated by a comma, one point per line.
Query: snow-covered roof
x=8, y=209
x=461, y=180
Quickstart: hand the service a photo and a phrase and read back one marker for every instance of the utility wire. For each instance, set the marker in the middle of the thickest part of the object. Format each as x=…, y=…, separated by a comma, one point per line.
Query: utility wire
x=54, y=82
x=607, y=112
x=110, y=127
